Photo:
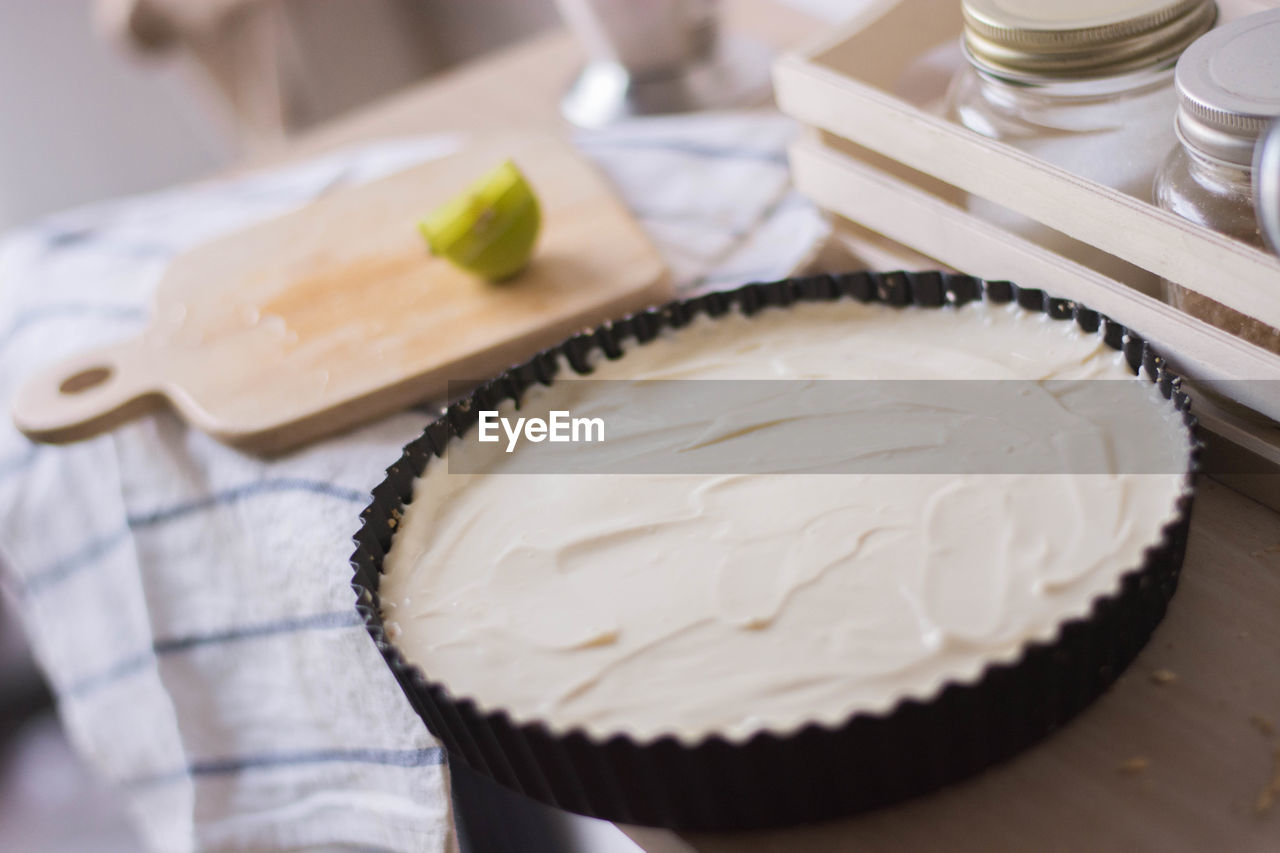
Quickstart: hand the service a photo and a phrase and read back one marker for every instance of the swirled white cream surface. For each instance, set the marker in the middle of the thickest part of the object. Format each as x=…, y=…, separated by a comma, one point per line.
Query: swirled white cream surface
x=691, y=604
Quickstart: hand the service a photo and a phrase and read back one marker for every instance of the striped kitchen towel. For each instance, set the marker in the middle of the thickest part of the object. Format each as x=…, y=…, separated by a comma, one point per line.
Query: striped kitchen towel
x=190, y=603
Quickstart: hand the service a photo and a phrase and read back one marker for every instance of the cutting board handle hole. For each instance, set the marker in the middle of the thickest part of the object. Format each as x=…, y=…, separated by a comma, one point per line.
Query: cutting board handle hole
x=85, y=379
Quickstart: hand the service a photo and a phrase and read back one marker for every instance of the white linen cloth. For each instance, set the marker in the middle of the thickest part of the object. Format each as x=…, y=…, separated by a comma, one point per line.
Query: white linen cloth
x=189, y=602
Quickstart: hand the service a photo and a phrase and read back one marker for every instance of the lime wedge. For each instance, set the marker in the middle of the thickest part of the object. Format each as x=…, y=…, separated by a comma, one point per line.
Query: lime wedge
x=489, y=230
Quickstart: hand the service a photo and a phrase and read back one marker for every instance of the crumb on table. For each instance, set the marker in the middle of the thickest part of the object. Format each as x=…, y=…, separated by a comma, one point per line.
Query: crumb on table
x=1135, y=765
x=1267, y=798
x=1164, y=676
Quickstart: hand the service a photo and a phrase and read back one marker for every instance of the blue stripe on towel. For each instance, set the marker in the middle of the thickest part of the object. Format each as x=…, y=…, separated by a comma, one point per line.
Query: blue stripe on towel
x=85, y=556
x=248, y=490
x=41, y=580
x=58, y=237
x=319, y=621
x=139, y=662
x=113, y=673
x=425, y=757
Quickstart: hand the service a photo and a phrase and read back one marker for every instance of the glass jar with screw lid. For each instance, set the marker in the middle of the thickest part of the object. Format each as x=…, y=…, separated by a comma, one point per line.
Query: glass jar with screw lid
x=1228, y=86
x=1086, y=86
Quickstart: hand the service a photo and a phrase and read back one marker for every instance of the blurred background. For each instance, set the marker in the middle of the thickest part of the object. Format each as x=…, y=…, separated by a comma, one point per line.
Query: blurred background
x=130, y=95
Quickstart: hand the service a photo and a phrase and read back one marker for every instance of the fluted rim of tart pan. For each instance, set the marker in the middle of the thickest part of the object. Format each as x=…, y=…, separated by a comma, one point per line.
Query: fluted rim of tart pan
x=818, y=770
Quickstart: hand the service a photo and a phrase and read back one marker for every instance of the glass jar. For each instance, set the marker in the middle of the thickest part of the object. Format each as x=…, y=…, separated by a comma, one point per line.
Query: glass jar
x=1086, y=86
x=1105, y=129
x=1228, y=93
x=1266, y=186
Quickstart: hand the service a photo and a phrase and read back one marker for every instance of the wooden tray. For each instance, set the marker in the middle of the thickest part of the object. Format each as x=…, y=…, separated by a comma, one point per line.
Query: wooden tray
x=336, y=314
x=893, y=165
x=893, y=205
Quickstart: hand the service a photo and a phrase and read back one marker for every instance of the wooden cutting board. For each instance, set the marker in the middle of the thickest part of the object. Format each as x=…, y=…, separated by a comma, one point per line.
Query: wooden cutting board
x=336, y=314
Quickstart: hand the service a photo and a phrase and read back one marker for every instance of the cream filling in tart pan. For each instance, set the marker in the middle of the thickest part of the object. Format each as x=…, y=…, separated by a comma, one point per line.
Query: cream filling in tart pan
x=669, y=617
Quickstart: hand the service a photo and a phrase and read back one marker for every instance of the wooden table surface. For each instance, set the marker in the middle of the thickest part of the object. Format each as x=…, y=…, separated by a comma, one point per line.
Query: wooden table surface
x=1182, y=754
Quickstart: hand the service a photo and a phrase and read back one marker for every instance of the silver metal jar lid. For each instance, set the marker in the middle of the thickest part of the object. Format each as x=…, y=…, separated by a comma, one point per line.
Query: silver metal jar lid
x=1229, y=88
x=1266, y=186
x=1082, y=38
